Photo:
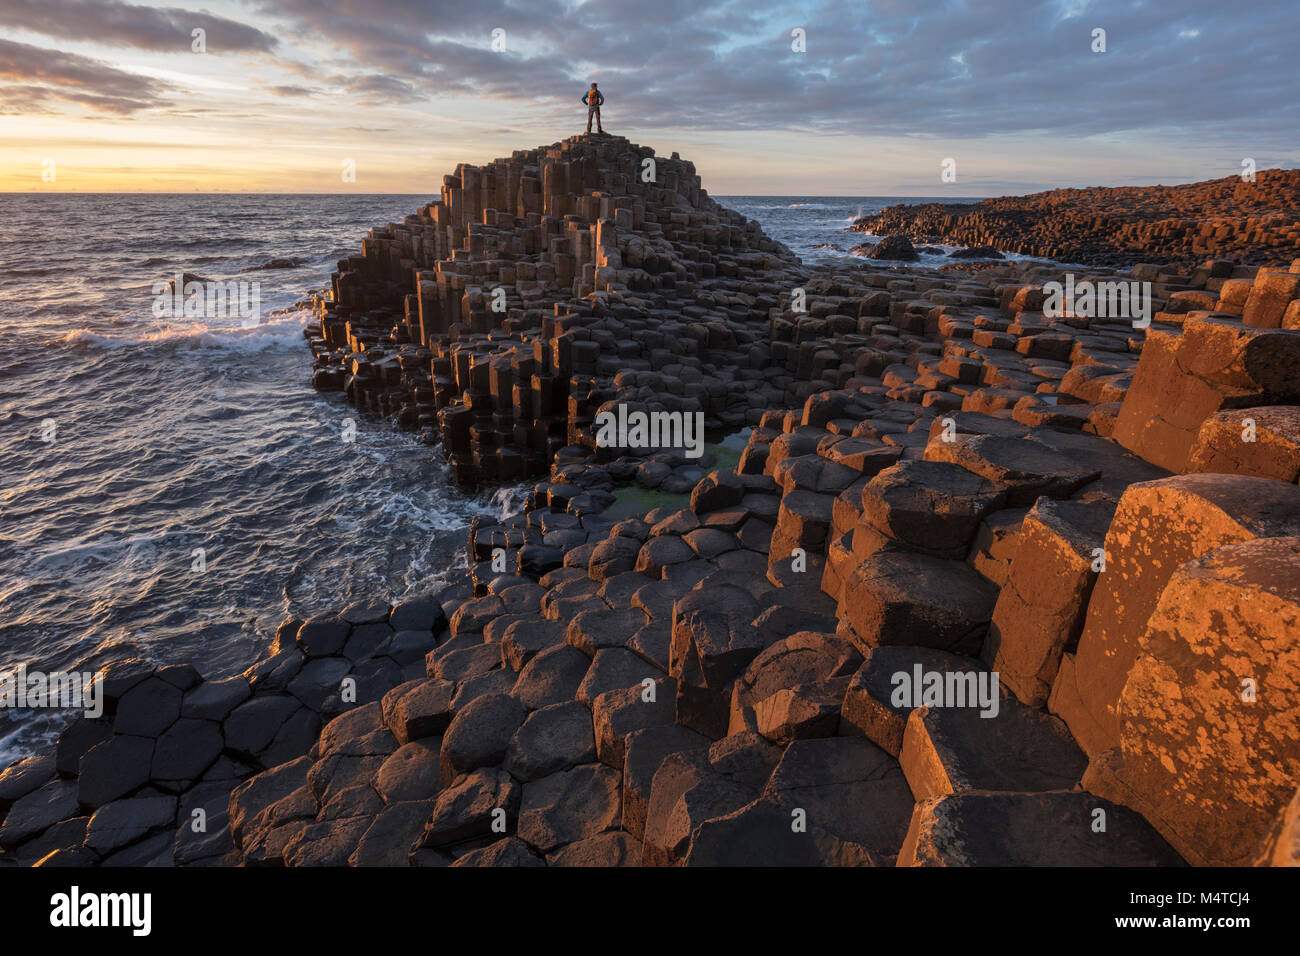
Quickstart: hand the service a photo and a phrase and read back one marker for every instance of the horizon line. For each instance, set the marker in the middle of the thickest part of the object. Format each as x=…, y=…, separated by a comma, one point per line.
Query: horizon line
x=159, y=192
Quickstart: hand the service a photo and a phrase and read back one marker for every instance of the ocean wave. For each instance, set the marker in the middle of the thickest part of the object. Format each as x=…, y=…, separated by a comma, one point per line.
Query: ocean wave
x=510, y=500
x=283, y=332
x=93, y=339
x=215, y=240
x=280, y=262
x=33, y=273
x=61, y=557
x=175, y=434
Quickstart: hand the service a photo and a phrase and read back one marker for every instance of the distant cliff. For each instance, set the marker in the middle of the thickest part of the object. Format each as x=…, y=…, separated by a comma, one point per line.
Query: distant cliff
x=1225, y=218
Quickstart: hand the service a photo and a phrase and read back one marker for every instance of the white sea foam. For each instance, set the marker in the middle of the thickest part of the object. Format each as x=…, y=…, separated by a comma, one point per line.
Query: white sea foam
x=282, y=331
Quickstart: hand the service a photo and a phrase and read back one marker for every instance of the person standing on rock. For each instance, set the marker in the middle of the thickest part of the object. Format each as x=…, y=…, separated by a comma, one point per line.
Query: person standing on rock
x=593, y=98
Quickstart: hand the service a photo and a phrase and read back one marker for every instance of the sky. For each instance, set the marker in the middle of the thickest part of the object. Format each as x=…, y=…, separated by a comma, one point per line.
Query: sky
x=835, y=98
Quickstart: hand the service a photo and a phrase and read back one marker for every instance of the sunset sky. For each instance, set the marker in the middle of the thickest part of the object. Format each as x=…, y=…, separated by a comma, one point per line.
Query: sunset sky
x=104, y=95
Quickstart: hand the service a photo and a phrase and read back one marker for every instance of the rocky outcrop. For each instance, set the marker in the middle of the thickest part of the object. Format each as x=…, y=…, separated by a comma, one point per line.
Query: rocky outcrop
x=895, y=248
x=173, y=770
x=1158, y=527
x=1006, y=829
x=501, y=317
x=1209, y=746
x=1229, y=218
x=958, y=602
x=1213, y=367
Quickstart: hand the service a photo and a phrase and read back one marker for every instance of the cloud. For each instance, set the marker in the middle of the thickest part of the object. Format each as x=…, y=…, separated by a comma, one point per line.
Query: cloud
x=292, y=90
x=19, y=100
x=113, y=23
x=953, y=69
x=51, y=74
x=376, y=88
x=943, y=70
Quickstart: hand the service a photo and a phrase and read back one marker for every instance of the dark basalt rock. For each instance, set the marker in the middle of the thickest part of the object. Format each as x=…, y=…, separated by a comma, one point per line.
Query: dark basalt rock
x=926, y=479
x=898, y=248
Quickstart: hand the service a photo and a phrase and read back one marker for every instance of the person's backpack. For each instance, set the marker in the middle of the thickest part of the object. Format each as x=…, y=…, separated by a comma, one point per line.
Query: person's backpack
x=600, y=98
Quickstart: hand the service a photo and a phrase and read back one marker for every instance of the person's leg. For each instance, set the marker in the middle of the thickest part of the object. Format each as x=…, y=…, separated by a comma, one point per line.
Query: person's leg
x=589, y=112
x=599, y=128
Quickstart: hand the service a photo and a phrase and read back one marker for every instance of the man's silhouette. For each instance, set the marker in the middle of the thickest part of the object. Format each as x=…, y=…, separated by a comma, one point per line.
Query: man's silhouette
x=593, y=98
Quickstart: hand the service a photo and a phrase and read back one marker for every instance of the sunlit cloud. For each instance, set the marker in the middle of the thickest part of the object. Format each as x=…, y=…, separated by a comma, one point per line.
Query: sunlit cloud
x=111, y=23
x=882, y=91
x=42, y=75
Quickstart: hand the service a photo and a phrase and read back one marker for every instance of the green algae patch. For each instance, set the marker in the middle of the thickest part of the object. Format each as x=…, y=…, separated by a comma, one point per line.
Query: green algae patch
x=633, y=501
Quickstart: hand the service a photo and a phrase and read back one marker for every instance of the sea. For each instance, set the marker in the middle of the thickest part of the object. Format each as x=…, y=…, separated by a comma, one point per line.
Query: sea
x=172, y=487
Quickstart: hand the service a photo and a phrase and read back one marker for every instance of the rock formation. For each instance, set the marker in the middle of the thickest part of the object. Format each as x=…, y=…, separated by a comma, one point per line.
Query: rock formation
x=1229, y=218
x=942, y=483
x=501, y=317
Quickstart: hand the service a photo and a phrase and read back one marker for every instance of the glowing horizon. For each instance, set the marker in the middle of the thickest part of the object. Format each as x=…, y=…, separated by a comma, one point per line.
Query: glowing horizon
x=112, y=97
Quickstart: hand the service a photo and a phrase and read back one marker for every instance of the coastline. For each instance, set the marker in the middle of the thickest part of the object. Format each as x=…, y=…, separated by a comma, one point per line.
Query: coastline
x=607, y=670
x=1250, y=220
